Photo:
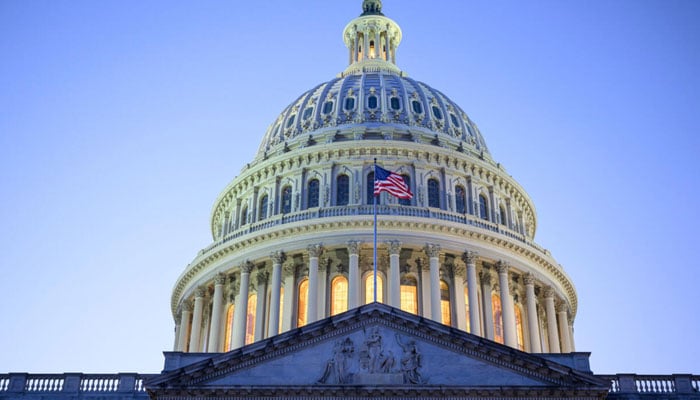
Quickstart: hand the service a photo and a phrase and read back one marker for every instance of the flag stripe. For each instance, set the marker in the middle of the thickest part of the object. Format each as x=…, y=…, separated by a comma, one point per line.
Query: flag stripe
x=390, y=182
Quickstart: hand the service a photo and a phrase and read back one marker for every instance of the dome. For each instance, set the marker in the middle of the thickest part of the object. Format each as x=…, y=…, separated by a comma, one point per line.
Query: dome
x=379, y=100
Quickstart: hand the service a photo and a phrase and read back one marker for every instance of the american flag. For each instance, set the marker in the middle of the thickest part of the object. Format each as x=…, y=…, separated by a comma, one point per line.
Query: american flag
x=390, y=182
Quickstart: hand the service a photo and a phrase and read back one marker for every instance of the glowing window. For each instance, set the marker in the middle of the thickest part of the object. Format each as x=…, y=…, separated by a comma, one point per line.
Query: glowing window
x=342, y=194
x=445, y=303
x=307, y=112
x=417, y=107
x=460, y=199
x=436, y=112
x=301, y=302
x=339, y=295
x=229, y=327
x=433, y=193
x=290, y=122
x=369, y=288
x=349, y=103
x=519, y=328
x=286, y=199
x=262, y=213
x=372, y=102
x=250, y=319
x=466, y=306
x=406, y=202
x=312, y=200
x=327, y=107
x=497, y=318
x=395, y=103
x=483, y=207
x=409, y=295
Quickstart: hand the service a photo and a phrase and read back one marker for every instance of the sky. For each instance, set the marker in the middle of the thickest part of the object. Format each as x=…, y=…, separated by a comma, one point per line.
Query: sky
x=121, y=121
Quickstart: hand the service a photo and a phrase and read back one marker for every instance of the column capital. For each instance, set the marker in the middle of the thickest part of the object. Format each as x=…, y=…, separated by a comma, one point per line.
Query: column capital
x=528, y=279
x=354, y=247
x=562, y=307
x=459, y=270
x=548, y=292
x=485, y=277
x=178, y=318
x=277, y=257
x=187, y=306
x=262, y=276
x=502, y=267
x=220, y=279
x=200, y=292
x=246, y=267
x=289, y=268
x=394, y=247
x=432, y=250
x=469, y=257
x=315, y=250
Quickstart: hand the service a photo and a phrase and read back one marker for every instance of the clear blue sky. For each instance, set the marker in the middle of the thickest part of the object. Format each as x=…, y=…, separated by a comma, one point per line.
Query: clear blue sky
x=121, y=121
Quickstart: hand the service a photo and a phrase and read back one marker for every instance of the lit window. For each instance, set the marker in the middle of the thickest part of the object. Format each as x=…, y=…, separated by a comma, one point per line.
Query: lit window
x=395, y=103
x=262, y=213
x=327, y=107
x=349, y=104
x=497, y=318
x=417, y=107
x=406, y=202
x=483, y=207
x=301, y=303
x=466, y=306
x=250, y=319
x=436, y=112
x=369, y=289
x=286, y=200
x=409, y=295
x=312, y=200
x=519, y=328
x=460, y=200
x=339, y=295
x=433, y=193
x=229, y=327
x=372, y=102
x=445, y=303
x=342, y=194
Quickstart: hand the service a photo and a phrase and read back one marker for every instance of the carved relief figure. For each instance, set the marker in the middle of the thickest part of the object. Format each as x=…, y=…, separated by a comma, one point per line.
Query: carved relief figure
x=410, y=361
x=338, y=368
x=374, y=358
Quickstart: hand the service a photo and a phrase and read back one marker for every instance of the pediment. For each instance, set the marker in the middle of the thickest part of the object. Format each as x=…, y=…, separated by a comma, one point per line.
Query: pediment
x=374, y=345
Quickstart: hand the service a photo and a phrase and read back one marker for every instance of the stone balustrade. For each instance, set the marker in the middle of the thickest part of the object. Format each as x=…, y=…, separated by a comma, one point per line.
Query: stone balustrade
x=632, y=386
x=73, y=385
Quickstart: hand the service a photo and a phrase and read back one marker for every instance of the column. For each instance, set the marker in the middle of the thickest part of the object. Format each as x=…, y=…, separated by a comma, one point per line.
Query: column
x=433, y=252
x=197, y=320
x=485, y=278
x=354, y=49
x=394, y=274
x=185, y=315
x=274, y=324
x=459, y=273
x=312, y=305
x=290, y=289
x=240, y=314
x=571, y=336
x=507, y=306
x=217, y=314
x=323, y=269
x=424, y=287
x=551, y=320
x=354, y=274
x=261, y=307
x=562, y=313
x=532, y=319
x=469, y=258
x=178, y=321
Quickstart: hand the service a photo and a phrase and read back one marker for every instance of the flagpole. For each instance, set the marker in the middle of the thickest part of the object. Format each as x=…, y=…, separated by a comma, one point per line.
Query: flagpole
x=375, y=233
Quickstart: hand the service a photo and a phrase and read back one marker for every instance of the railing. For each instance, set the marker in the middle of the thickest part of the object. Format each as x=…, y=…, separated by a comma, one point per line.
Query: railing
x=128, y=385
x=354, y=210
x=653, y=384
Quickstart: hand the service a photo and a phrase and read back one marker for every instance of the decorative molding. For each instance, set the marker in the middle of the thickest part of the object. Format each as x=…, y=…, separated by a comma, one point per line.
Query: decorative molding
x=469, y=257
x=502, y=267
x=432, y=250
x=394, y=247
x=315, y=250
x=354, y=247
x=528, y=279
x=246, y=267
x=278, y=257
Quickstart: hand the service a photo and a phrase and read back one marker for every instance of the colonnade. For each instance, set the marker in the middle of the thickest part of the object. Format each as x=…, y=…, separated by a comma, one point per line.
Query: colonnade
x=203, y=321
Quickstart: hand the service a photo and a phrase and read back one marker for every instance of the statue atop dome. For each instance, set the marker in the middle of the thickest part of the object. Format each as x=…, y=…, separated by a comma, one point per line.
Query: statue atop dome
x=372, y=7
x=372, y=39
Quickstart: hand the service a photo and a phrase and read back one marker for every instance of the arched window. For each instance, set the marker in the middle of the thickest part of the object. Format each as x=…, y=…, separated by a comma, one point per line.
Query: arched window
x=339, y=295
x=229, y=327
x=497, y=318
x=250, y=319
x=301, y=302
x=483, y=207
x=445, y=303
x=370, y=189
x=433, y=193
x=466, y=306
x=519, y=328
x=262, y=213
x=286, y=200
x=406, y=202
x=312, y=194
x=342, y=190
x=372, y=102
x=244, y=215
x=369, y=288
x=409, y=295
x=460, y=199
x=504, y=216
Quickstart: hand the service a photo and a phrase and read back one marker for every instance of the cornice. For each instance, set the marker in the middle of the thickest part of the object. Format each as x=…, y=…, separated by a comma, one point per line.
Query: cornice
x=457, y=233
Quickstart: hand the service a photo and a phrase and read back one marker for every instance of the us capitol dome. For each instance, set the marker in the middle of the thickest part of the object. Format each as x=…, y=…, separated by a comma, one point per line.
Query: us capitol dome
x=293, y=233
